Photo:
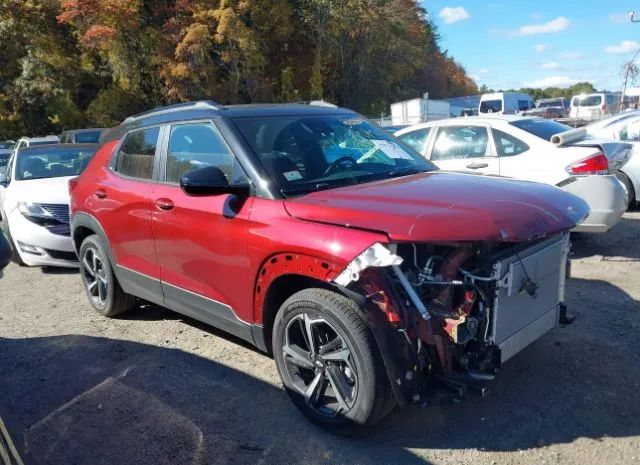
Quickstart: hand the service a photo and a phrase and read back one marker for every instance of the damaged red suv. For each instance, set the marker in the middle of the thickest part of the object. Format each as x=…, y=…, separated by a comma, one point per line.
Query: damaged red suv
x=313, y=234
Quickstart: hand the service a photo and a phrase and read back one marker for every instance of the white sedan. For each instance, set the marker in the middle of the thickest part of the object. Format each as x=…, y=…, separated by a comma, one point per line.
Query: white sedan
x=34, y=202
x=624, y=127
x=521, y=147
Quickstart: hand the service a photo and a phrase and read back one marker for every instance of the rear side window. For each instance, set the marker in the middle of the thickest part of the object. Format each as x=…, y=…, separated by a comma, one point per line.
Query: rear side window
x=587, y=101
x=136, y=156
x=490, y=106
x=507, y=145
x=87, y=137
x=198, y=145
x=416, y=139
x=542, y=128
x=460, y=142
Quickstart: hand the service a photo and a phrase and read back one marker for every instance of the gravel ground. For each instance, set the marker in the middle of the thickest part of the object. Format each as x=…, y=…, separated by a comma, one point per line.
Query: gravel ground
x=156, y=388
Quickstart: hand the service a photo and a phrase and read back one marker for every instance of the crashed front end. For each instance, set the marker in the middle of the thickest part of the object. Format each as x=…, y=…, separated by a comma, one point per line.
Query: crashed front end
x=454, y=312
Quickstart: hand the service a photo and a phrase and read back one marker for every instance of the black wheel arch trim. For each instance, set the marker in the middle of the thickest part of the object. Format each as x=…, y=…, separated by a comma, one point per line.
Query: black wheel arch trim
x=81, y=219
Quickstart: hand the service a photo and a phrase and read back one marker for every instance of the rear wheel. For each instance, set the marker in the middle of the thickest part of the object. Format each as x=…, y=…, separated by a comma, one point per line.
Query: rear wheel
x=102, y=288
x=624, y=179
x=329, y=362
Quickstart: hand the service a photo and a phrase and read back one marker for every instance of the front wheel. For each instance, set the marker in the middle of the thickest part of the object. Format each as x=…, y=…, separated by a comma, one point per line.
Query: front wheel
x=329, y=362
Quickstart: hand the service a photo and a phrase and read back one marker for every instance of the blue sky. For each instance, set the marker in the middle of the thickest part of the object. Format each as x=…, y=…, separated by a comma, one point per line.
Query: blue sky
x=511, y=44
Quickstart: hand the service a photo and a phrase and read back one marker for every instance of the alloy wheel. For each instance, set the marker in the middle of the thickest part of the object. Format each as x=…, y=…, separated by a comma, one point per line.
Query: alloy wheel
x=95, y=276
x=320, y=365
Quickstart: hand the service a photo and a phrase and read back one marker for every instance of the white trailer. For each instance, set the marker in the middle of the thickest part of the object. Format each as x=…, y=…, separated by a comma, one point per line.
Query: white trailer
x=418, y=110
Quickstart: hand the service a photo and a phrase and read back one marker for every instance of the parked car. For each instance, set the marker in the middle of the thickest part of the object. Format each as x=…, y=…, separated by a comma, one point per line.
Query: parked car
x=503, y=103
x=550, y=108
x=313, y=234
x=592, y=107
x=520, y=147
x=34, y=202
x=623, y=127
x=34, y=141
x=6, y=147
x=81, y=136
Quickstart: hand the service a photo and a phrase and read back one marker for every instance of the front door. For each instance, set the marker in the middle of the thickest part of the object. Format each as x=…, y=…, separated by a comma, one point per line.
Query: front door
x=466, y=148
x=201, y=240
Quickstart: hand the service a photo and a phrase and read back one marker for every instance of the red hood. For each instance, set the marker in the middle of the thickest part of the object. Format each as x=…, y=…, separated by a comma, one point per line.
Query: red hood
x=441, y=206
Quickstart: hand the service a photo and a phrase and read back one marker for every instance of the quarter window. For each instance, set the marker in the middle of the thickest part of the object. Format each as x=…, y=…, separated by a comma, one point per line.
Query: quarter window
x=194, y=146
x=416, y=139
x=507, y=145
x=136, y=156
x=460, y=142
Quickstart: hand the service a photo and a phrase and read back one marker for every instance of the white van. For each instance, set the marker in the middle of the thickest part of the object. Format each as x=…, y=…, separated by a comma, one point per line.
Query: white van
x=504, y=103
x=592, y=107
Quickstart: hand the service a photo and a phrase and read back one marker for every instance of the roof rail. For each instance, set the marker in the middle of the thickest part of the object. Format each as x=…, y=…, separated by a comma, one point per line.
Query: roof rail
x=316, y=103
x=200, y=104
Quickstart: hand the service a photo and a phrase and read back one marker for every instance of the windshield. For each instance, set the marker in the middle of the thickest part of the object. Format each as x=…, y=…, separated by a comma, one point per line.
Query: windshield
x=490, y=106
x=87, y=137
x=6, y=145
x=4, y=158
x=303, y=154
x=52, y=163
x=587, y=101
x=550, y=103
x=542, y=128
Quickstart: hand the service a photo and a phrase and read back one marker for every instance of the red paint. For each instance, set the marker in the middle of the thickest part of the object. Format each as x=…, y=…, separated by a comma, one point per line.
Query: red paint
x=441, y=206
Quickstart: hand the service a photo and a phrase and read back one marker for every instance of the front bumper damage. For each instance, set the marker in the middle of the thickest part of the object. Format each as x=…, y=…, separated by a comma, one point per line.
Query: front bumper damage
x=454, y=313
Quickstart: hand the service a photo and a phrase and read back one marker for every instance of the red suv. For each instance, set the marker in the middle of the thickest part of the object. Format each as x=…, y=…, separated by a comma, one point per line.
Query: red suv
x=315, y=235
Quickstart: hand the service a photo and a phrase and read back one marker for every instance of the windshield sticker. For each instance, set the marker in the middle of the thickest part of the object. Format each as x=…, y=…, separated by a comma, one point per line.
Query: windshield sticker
x=292, y=175
x=391, y=149
x=352, y=121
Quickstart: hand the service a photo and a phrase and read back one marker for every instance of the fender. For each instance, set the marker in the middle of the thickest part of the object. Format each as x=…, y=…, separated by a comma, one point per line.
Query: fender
x=84, y=219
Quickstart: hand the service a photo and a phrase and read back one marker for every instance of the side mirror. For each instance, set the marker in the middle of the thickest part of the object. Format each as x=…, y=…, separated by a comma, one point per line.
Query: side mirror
x=210, y=180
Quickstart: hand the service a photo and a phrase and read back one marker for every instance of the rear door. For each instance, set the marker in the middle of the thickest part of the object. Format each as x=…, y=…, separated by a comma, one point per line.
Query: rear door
x=122, y=202
x=513, y=154
x=201, y=241
x=464, y=147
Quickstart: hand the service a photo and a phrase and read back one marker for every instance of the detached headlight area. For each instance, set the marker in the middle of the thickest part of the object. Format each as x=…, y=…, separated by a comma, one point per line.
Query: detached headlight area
x=35, y=212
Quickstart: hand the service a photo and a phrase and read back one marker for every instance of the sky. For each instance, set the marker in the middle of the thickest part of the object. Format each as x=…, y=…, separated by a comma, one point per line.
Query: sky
x=539, y=43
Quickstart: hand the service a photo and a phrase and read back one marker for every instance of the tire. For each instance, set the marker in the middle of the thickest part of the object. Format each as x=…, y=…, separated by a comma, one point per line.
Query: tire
x=15, y=255
x=106, y=296
x=624, y=179
x=353, y=362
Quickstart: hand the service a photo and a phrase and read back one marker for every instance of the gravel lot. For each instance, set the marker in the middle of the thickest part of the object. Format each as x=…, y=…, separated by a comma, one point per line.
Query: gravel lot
x=156, y=388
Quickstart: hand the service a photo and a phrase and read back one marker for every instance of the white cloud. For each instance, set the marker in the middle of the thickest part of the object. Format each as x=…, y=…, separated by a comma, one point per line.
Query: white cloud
x=551, y=81
x=540, y=47
x=550, y=65
x=452, y=15
x=619, y=18
x=626, y=46
x=475, y=77
x=555, y=25
x=571, y=56
x=483, y=71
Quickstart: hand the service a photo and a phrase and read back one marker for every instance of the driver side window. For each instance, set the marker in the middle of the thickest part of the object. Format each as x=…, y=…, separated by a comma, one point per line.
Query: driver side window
x=453, y=142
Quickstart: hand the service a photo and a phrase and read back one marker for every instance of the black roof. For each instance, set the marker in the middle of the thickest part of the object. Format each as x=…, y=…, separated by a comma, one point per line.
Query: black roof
x=204, y=109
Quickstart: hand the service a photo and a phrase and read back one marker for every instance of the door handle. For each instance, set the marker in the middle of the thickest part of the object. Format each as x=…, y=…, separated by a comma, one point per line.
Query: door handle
x=477, y=165
x=164, y=204
x=100, y=193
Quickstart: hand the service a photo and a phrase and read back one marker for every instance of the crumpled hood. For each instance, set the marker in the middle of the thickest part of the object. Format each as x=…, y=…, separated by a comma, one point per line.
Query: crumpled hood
x=444, y=206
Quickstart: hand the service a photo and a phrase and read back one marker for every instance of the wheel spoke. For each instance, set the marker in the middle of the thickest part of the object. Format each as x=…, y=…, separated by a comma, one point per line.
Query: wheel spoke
x=330, y=346
x=87, y=266
x=298, y=357
x=94, y=261
x=336, y=379
x=102, y=292
x=92, y=286
x=309, y=333
x=316, y=387
x=341, y=355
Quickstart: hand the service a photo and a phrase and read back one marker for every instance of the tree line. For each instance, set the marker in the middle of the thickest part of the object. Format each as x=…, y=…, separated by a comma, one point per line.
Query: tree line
x=78, y=63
